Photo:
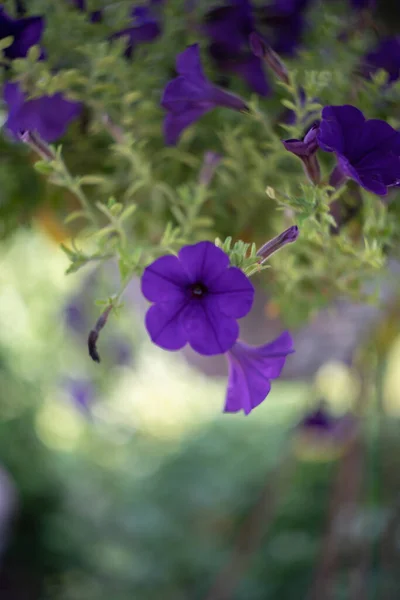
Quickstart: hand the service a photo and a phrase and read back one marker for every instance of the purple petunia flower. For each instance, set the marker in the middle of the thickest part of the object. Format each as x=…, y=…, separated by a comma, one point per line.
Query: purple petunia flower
x=197, y=299
x=145, y=28
x=191, y=95
x=49, y=116
x=385, y=56
x=367, y=151
x=229, y=27
x=27, y=32
x=306, y=150
x=251, y=370
x=284, y=24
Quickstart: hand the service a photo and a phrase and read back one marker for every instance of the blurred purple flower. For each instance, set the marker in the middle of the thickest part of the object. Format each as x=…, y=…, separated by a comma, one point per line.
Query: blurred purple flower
x=191, y=95
x=75, y=315
x=229, y=27
x=145, y=28
x=198, y=298
x=27, y=32
x=323, y=436
x=251, y=369
x=368, y=151
x=81, y=392
x=48, y=116
x=211, y=161
x=283, y=24
x=385, y=56
x=306, y=150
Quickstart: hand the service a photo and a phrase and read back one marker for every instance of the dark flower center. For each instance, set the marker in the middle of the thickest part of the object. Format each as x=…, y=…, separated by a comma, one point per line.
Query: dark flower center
x=198, y=290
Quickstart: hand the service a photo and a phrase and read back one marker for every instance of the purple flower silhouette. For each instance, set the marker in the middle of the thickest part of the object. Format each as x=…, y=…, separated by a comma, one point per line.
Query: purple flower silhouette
x=198, y=298
x=306, y=150
x=251, y=369
x=368, y=151
x=145, y=28
x=49, y=116
x=27, y=32
x=191, y=95
x=229, y=27
x=385, y=56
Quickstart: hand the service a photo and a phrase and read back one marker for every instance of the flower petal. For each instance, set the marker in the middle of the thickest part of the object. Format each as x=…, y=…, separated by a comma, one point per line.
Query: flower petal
x=175, y=124
x=250, y=371
x=164, y=280
x=203, y=262
x=233, y=292
x=188, y=64
x=164, y=325
x=340, y=129
x=208, y=330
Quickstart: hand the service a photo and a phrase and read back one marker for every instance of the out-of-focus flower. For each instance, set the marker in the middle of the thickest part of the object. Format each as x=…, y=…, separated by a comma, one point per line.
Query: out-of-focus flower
x=385, y=56
x=198, y=298
x=27, y=32
x=81, y=393
x=211, y=161
x=48, y=116
x=251, y=369
x=8, y=504
x=367, y=151
x=321, y=436
x=263, y=50
x=145, y=28
x=363, y=4
x=95, y=16
x=306, y=150
x=228, y=28
x=191, y=95
x=283, y=24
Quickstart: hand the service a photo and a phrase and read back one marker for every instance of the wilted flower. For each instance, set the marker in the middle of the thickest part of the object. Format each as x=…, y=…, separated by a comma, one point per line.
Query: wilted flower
x=27, y=32
x=385, y=56
x=49, y=116
x=306, y=150
x=229, y=27
x=145, y=28
x=191, y=95
x=368, y=151
x=198, y=298
x=251, y=369
x=263, y=50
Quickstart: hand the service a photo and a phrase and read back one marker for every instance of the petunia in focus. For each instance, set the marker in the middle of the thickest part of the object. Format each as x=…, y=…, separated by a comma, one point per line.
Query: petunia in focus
x=145, y=28
x=251, y=370
x=385, y=56
x=367, y=150
x=198, y=298
x=27, y=32
x=191, y=95
x=49, y=116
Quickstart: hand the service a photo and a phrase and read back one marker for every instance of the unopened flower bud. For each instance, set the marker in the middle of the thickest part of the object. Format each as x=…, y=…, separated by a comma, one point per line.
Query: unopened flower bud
x=264, y=51
x=286, y=237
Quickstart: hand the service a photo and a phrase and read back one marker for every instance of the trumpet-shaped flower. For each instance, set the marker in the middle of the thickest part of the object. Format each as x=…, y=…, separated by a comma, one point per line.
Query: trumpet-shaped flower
x=49, y=116
x=368, y=150
x=251, y=370
x=197, y=299
x=191, y=95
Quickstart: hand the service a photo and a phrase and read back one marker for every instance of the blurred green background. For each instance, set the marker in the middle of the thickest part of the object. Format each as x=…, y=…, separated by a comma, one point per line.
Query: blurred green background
x=133, y=484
